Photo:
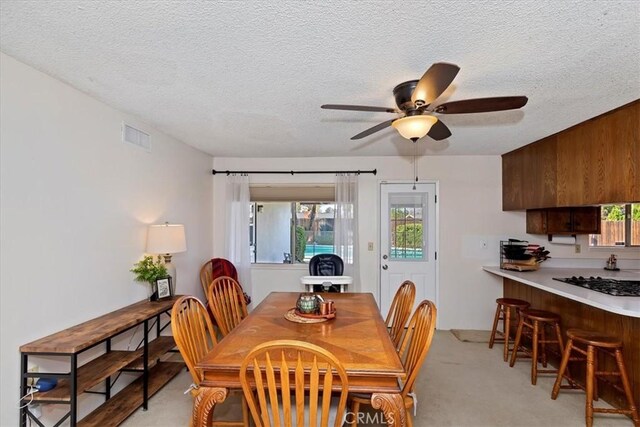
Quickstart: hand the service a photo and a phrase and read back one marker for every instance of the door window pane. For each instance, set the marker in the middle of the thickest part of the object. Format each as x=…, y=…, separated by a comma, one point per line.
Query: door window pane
x=406, y=217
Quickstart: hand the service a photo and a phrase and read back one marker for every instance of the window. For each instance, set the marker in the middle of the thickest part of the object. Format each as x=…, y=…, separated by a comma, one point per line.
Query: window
x=290, y=232
x=619, y=226
x=406, y=215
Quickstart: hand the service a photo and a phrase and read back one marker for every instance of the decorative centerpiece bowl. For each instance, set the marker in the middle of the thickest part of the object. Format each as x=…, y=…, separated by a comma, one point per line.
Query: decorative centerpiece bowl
x=307, y=303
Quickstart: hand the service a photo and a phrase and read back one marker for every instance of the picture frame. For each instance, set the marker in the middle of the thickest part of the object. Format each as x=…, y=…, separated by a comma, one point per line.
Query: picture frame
x=163, y=288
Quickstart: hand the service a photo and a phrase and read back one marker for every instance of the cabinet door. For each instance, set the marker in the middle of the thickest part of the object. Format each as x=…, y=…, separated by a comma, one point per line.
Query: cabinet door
x=559, y=221
x=586, y=220
x=537, y=221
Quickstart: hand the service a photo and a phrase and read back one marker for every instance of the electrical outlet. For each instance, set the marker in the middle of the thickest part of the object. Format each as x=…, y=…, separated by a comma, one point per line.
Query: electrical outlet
x=370, y=246
x=32, y=368
x=578, y=248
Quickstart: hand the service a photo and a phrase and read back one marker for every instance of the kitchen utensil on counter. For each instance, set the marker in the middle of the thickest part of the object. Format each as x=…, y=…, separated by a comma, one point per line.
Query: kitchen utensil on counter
x=612, y=263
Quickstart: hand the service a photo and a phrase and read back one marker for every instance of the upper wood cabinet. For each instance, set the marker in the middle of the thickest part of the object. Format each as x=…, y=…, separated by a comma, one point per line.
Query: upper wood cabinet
x=581, y=220
x=594, y=162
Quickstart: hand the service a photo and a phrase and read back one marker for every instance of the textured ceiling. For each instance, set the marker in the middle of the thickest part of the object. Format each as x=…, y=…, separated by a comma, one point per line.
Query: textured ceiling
x=247, y=78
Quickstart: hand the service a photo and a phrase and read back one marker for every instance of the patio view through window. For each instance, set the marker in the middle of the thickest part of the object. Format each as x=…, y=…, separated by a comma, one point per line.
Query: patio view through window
x=406, y=216
x=619, y=226
x=290, y=232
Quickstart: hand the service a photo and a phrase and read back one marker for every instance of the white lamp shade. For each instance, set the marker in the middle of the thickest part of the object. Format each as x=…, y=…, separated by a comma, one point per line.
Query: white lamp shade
x=166, y=239
x=414, y=127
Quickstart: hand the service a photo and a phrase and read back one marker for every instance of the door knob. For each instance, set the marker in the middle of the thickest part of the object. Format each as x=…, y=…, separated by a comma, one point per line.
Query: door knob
x=384, y=267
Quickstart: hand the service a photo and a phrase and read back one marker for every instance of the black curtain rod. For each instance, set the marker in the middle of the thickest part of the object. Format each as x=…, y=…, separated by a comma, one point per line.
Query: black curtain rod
x=359, y=172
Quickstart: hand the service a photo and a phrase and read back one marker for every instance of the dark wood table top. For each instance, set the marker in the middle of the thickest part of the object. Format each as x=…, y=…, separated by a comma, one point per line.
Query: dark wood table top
x=84, y=335
x=357, y=336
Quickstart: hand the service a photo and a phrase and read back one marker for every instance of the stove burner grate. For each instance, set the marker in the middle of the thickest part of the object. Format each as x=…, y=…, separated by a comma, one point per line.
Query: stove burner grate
x=615, y=287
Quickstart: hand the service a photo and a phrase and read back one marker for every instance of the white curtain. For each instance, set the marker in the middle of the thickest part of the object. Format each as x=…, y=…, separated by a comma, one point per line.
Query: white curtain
x=345, y=237
x=237, y=233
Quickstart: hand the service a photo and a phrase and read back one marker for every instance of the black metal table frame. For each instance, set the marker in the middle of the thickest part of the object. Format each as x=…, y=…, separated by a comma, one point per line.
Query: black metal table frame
x=72, y=376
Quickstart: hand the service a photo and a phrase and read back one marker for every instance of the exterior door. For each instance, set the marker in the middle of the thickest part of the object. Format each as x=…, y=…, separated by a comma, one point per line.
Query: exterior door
x=407, y=240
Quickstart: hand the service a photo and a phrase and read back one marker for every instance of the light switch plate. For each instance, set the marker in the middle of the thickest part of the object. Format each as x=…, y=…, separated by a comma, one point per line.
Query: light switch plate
x=370, y=246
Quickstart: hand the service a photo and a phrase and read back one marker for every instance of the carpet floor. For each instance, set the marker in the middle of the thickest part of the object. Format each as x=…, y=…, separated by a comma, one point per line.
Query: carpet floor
x=462, y=384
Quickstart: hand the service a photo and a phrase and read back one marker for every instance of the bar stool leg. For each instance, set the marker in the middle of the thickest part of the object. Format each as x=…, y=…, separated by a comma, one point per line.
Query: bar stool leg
x=627, y=387
x=495, y=326
x=516, y=343
x=563, y=366
x=589, y=386
x=561, y=347
x=543, y=341
x=595, y=376
x=534, y=352
x=506, y=322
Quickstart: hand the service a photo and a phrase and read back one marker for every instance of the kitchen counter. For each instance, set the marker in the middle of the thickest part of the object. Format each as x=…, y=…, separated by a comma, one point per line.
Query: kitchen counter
x=543, y=279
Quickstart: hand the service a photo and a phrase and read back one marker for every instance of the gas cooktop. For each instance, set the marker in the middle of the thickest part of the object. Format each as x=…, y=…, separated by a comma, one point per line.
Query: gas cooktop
x=619, y=288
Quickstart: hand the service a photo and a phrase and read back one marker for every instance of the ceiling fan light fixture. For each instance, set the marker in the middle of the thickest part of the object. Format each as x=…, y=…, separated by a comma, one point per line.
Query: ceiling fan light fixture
x=414, y=127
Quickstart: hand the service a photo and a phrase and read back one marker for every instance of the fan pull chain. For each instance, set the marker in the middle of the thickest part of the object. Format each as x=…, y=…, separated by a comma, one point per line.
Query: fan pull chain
x=415, y=165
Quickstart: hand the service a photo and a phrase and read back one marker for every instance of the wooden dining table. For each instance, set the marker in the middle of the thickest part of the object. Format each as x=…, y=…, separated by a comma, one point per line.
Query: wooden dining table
x=357, y=336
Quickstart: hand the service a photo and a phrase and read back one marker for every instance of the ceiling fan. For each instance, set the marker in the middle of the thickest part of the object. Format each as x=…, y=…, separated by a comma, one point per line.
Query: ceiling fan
x=414, y=100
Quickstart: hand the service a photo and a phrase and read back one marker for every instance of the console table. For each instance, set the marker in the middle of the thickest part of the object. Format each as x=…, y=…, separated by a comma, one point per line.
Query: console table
x=81, y=379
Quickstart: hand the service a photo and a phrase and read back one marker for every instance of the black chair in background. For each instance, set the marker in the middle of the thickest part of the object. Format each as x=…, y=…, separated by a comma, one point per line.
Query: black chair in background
x=326, y=265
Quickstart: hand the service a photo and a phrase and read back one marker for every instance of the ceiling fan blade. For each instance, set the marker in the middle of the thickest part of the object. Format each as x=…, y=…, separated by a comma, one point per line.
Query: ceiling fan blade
x=482, y=105
x=374, y=129
x=439, y=131
x=358, y=108
x=434, y=82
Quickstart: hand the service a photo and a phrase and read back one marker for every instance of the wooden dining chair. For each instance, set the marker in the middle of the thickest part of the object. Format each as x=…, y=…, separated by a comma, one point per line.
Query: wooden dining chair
x=218, y=267
x=226, y=303
x=195, y=337
x=400, y=311
x=413, y=350
x=282, y=378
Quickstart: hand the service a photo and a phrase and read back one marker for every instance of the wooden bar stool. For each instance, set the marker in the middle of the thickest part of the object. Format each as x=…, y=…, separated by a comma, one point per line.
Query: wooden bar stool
x=595, y=341
x=536, y=321
x=505, y=309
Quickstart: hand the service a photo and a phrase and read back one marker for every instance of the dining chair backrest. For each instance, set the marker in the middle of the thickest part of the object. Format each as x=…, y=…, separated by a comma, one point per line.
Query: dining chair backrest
x=416, y=342
x=400, y=311
x=226, y=303
x=216, y=267
x=281, y=378
x=192, y=331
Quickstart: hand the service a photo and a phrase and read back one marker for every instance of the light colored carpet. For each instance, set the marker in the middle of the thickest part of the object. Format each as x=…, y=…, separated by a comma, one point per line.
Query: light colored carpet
x=471, y=335
x=463, y=384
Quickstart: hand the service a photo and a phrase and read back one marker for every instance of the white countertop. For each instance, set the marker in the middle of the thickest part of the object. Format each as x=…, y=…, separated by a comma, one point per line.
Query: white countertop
x=543, y=279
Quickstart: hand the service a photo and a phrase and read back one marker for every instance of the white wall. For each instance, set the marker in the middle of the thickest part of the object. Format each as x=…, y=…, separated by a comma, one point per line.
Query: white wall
x=470, y=210
x=75, y=205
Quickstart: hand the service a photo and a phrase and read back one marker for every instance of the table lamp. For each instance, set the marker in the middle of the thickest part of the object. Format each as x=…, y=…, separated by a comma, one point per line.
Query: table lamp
x=167, y=239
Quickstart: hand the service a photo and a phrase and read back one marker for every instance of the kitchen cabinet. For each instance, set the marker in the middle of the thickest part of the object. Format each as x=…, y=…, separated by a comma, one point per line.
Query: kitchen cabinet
x=595, y=162
x=581, y=220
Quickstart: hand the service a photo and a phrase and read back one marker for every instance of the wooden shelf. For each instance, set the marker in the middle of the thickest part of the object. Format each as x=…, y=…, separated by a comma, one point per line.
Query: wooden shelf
x=93, y=375
x=157, y=348
x=89, y=375
x=84, y=335
x=104, y=366
x=114, y=411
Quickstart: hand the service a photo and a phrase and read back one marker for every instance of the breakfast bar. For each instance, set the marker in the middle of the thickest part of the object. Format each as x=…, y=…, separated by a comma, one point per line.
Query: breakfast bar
x=583, y=308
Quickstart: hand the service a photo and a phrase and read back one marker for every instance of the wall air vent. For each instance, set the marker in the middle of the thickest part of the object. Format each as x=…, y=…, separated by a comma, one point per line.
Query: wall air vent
x=136, y=137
